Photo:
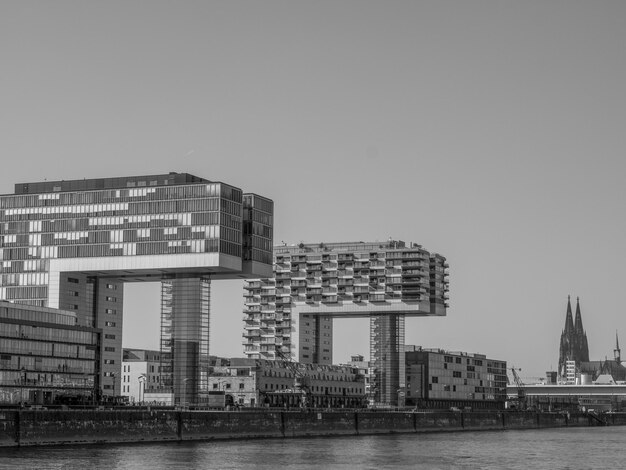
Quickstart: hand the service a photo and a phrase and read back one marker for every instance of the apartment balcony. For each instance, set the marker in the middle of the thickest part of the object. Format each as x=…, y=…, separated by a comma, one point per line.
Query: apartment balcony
x=330, y=299
x=251, y=334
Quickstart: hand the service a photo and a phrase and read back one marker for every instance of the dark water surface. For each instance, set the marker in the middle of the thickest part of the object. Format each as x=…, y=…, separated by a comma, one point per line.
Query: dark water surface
x=574, y=448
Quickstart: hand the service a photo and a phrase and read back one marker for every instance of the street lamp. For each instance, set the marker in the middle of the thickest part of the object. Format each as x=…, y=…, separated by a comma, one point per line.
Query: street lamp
x=142, y=380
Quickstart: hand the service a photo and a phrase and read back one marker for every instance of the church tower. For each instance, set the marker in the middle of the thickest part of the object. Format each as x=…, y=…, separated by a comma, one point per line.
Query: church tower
x=573, y=345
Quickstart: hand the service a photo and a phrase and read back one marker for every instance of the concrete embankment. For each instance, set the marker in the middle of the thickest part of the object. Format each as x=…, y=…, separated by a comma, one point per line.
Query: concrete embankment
x=54, y=427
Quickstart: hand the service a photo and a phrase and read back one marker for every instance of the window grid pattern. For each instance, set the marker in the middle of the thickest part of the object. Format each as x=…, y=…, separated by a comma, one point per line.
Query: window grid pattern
x=36, y=228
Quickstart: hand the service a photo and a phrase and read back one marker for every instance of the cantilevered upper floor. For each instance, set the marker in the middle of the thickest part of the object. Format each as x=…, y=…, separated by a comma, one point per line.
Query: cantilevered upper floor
x=134, y=228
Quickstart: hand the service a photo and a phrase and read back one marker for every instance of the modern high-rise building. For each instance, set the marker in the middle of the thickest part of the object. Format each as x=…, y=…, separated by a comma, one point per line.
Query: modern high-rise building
x=72, y=245
x=314, y=283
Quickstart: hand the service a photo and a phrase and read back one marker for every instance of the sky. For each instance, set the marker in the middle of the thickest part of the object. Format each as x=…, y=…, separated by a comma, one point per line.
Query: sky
x=491, y=132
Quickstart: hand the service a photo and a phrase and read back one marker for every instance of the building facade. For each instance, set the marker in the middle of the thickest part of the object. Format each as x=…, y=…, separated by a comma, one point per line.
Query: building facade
x=314, y=283
x=73, y=244
x=271, y=383
x=141, y=374
x=45, y=356
x=436, y=378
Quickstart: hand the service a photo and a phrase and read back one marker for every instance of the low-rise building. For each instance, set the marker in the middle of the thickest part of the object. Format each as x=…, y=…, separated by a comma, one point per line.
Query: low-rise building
x=45, y=357
x=436, y=378
x=141, y=370
x=270, y=383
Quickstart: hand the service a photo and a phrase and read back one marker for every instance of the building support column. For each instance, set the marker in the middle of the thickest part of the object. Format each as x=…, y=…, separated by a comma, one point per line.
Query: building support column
x=387, y=385
x=185, y=306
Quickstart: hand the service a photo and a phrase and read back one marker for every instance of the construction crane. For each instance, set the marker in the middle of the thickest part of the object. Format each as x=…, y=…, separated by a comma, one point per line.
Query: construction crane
x=301, y=381
x=521, y=391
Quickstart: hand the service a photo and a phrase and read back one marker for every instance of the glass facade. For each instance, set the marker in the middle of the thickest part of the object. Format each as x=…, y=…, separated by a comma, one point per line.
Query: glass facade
x=313, y=283
x=185, y=305
x=45, y=356
x=387, y=386
x=73, y=244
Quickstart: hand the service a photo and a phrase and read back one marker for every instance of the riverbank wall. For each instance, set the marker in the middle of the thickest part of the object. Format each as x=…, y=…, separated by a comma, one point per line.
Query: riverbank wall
x=57, y=427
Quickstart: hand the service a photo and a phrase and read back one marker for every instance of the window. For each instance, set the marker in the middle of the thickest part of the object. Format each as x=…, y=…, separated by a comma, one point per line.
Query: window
x=109, y=361
x=109, y=336
x=112, y=311
x=109, y=323
x=111, y=286
x=435, y=380
x=227, y=386
x=111, y=299
x=241, y=386
x=214, y=386
x=109, y=349
x=72, y=280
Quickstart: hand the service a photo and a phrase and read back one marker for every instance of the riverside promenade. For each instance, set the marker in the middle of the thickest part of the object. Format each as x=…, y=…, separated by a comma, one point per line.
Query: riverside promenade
x=66, y=427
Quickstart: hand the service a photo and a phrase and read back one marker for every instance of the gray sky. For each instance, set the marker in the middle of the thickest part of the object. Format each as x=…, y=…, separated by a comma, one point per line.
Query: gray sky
x=487, y=131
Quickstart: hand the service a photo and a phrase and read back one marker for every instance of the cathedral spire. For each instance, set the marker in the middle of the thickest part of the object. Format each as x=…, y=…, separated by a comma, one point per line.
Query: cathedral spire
x=578, y=326
x=617, y=352
x=569, y=321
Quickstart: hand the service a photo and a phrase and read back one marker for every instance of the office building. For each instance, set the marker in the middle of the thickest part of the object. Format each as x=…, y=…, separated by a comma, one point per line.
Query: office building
x=72, y=245
x=292, y=311
x=45, y=356
x=436, y=378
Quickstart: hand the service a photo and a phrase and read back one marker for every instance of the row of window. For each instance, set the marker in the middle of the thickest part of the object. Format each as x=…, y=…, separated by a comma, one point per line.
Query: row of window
x=15, y=346
x=10, y=330
x=45, y=364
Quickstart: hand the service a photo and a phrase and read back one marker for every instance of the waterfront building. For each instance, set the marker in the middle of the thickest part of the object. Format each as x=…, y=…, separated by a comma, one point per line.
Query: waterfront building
x=436, y=378
x=46, y=356
x=292, y=312
x=141, y=374
x=598, y=396
x=271, y=383
x=72, y=245
x=573, y=345
x=365, y=369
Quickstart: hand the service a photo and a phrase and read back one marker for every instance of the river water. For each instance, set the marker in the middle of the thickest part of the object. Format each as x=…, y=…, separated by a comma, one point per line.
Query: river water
x=573, y=448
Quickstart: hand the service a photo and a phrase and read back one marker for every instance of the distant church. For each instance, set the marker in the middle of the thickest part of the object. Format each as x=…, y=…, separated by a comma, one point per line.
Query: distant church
x=574, y=345
x=574, y=348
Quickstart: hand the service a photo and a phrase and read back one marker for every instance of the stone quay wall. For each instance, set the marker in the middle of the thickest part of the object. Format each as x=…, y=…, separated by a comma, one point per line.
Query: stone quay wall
x=57, y=427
